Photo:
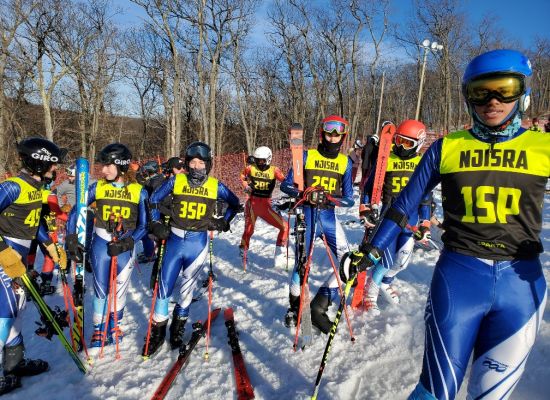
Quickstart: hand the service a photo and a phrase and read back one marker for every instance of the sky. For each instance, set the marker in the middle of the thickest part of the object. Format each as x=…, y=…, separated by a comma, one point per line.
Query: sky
x=522, y=21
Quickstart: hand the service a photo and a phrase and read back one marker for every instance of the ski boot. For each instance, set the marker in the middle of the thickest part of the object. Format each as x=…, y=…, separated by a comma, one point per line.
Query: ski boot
x=280, y=260
x=319, y=318
x=291, y=317
x=45, y=287
x=9, y=383
x=98, y=336
x=14, y=363
x=371, y=298
x=158, y=333
x=388, y=291
x=113, y=330
x=177, y=329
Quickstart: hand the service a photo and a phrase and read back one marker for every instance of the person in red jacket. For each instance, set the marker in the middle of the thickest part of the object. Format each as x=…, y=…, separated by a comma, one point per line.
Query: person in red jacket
x=258, y=180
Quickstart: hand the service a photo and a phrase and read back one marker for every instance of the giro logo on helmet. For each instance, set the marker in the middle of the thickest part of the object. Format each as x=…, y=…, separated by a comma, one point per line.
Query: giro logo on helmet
x=122, y=162
x=45, y=155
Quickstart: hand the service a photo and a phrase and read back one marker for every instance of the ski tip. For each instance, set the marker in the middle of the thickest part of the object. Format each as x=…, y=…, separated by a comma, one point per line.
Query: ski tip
x=228, y=313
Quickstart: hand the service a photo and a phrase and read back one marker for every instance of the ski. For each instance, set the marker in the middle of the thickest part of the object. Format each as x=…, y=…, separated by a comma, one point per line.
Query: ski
x=51, y=322
x=245, y=391
x=82, y=172
x=384, y=149
x=296, y=140
x=199, y=330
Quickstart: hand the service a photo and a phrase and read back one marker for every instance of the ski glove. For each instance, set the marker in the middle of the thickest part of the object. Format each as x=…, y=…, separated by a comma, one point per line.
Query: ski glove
x=58, y=255
x=74, y=249
x=11, y=262
x=358, y=261
x=160, y=230
x=368, y=215
x=317, y=197
x=422, y=233
x=218, y=224
x=120, y=246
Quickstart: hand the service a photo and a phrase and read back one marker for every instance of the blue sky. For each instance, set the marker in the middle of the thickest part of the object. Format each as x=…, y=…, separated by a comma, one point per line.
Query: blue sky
x=521, y=20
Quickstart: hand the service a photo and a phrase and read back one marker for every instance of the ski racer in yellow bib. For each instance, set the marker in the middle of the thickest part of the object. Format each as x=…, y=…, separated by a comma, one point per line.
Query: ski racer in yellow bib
x=488, y=291
x=194, y=211
x=403, y=160
x=327, y=169
x=20, y=211
x=120, y=222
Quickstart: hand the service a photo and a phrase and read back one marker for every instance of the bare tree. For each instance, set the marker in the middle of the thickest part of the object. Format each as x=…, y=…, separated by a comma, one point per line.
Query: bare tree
x=13, y=14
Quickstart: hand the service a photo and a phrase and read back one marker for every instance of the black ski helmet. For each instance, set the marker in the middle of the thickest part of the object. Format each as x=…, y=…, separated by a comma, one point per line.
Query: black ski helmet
x=115, y=153
x=39, y=154
x=201, y=151
x=150, y=167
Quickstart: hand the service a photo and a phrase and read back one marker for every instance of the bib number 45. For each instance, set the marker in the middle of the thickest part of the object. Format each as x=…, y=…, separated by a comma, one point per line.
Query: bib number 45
x=488, y=205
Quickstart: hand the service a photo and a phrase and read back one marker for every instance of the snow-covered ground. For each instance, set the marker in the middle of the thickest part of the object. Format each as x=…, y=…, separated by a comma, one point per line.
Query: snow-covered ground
x=383, y=363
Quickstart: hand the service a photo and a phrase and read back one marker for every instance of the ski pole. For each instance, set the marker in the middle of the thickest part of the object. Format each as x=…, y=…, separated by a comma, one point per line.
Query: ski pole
x=306, y=275
x=112, y=292
x=352, y=338
x=331, y=336
x=210, y=283
x=158, y=263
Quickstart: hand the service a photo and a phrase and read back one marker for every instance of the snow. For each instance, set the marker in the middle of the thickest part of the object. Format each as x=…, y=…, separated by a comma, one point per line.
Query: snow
x=383, y=363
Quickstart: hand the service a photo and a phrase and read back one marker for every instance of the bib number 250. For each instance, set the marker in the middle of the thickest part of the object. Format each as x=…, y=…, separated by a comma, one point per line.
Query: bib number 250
x=487, y=204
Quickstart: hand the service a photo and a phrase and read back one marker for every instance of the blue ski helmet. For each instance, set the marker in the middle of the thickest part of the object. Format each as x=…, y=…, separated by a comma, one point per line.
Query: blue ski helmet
x=500, y=62
x=201, y=151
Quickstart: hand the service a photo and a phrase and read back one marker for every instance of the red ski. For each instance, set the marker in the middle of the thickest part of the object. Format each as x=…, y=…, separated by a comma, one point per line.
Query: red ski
x=242, y=381
x=384, y=149
x=199, y=330
x=296, y=139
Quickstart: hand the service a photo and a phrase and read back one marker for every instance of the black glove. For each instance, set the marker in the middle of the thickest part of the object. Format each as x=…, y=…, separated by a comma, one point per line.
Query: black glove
x=368, y=216
x=218, y=224
x=160, y=230
x=317, y=197
x=358, y=261
x=75, y=250
x=120, y=246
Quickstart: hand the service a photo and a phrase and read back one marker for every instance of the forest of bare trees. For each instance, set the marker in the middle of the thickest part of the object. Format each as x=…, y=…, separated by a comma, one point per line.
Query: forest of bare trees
x=233, y=73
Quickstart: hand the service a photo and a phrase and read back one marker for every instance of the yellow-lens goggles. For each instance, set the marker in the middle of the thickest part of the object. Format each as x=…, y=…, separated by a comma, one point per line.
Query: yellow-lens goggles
x=505, y=88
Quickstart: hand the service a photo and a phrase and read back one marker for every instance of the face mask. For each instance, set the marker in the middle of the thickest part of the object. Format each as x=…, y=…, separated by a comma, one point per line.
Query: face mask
x=196, y=177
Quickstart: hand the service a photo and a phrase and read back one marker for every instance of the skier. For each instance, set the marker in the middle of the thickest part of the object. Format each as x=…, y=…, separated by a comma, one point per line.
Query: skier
x=66, y=190
x=354, y=154
x=403, y=159
x=20, y=205
x=326, y=168
x=259, y=180
x=195, y=195
x=173, y=166
x=535, y=126
x=49, y=205
x=116, y=195
x=151, y=177
x=488, y=291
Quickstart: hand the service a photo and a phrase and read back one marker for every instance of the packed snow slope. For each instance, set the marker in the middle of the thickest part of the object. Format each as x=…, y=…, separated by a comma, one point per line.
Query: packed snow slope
x=383, y=363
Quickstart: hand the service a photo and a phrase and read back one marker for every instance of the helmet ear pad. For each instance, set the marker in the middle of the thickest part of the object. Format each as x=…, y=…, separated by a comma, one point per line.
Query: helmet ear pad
x=524, y=101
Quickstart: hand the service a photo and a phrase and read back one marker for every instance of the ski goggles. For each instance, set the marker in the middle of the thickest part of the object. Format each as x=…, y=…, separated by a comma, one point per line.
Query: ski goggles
x=335, y=128
x=260, y=161
x=405, y=142
x=506, y=88
x=200, y=152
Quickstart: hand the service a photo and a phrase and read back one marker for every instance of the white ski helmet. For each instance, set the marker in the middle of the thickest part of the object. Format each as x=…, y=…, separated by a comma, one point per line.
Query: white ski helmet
x=263, y=152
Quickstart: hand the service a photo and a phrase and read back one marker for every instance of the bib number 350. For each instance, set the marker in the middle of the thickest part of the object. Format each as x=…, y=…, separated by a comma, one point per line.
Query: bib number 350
x=487, y=204
x=192, y=210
